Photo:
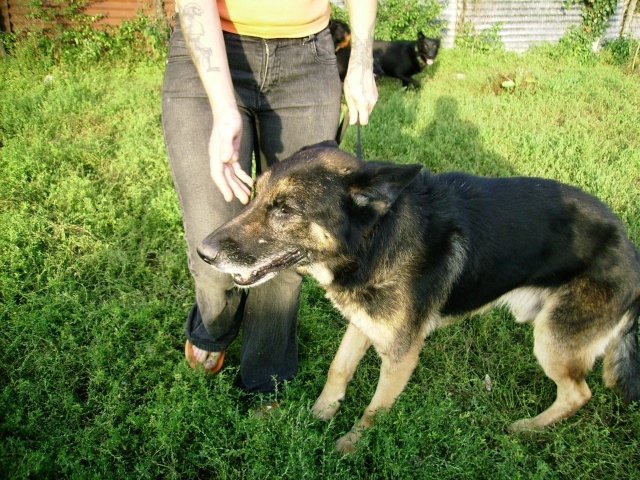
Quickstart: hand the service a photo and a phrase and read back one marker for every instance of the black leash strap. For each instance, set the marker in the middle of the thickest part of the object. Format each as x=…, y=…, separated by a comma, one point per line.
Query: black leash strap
x=358, y=144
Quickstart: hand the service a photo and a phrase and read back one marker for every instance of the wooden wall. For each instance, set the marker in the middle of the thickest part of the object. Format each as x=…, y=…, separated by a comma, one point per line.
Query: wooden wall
x=14, y=13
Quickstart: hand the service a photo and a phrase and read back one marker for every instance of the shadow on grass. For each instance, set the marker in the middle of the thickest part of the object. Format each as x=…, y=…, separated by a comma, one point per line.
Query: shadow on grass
x=455, y=143
x=399, y=133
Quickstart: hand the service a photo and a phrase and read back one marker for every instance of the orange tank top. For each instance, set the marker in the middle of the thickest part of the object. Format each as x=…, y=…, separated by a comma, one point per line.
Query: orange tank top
x=274, y=18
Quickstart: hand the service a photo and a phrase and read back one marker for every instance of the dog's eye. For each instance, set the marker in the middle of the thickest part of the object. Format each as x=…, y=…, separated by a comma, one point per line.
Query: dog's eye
x=285, y=209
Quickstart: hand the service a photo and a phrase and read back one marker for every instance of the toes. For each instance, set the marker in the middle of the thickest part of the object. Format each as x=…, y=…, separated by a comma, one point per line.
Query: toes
x=347, y=443
x=524, y=425
x=199, y=355
x=323, y=411
x=211, y=360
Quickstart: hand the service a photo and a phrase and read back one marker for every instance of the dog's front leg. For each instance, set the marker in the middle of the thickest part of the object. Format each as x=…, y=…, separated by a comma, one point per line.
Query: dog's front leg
x=406, y=81
x=394, y=375
x=352, y=348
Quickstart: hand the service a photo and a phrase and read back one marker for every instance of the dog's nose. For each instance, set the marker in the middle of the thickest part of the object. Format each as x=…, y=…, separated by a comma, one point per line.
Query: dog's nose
x=207, y=252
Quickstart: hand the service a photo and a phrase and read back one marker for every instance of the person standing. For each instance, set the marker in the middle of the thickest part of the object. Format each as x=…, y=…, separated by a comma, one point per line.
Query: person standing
x=248, y=84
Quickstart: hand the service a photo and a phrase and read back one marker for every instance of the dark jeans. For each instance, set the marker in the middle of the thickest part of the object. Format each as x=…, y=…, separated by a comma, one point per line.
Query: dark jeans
x=288, y=93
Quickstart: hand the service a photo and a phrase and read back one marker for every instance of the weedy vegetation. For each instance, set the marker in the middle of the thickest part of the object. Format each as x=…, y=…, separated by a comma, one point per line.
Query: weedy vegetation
x=94, y=286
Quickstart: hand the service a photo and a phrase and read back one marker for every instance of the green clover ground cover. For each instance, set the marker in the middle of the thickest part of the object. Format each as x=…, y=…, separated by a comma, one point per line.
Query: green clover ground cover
x=94, y=287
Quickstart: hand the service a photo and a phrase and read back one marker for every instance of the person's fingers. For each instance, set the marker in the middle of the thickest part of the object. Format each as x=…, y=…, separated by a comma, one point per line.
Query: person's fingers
x=356, y=114
x=242, y=175
x=359, y=111
x=360, y=115
x=217, y=166
x=220, y=180
x=226, y=172
x=239, y=189
x=229, y=185
x=361, y=95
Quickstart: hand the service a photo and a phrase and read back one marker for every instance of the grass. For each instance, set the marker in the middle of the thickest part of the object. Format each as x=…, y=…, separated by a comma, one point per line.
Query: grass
x=94, y=288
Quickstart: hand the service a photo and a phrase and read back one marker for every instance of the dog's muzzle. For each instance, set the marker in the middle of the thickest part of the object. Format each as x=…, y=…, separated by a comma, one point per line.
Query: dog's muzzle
x=268, y=270
x=250, y=271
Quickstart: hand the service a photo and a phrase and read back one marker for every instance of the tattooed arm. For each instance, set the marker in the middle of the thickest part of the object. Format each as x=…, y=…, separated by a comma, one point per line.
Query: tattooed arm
x=200, y=22
x=360, y=89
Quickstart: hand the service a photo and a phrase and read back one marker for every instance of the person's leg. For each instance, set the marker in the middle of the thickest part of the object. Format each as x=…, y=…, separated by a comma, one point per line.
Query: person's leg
x=301, y=98
x=187, y=121
x=298, y=105
x=308, y=115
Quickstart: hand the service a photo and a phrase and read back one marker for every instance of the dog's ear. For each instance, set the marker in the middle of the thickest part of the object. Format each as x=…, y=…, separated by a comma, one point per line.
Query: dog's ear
x=377, y=185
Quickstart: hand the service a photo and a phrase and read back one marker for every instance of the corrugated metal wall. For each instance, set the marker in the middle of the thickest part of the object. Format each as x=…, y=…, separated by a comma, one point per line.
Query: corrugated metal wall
x=616, y=22
x=525, y=22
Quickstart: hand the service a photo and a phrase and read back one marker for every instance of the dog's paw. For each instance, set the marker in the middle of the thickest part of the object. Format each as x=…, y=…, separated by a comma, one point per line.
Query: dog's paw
x=526, y=425
x=325, y=410
x=347, y=443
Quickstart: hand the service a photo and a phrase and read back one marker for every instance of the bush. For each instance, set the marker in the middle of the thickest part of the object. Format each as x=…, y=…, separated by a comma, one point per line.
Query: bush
x=578, y=44
x=578, y=41
x=142, y=34
x=622, y=52
x=59, y=32
x=488, y=40
x=402, y=19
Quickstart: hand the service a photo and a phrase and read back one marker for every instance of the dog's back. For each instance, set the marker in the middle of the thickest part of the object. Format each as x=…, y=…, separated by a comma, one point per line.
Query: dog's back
x=517, y=224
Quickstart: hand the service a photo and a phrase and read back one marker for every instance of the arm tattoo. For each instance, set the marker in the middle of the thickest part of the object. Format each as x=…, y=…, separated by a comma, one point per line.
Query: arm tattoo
x=362, y=49
x=194, y=33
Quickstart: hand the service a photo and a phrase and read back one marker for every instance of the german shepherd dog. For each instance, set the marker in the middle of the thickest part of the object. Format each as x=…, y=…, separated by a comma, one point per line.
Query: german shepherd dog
x=401, y=252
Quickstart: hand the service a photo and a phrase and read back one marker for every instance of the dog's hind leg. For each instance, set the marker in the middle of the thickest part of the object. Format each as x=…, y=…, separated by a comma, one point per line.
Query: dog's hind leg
x=352, y=348
x=394, y=375
x=566, y=364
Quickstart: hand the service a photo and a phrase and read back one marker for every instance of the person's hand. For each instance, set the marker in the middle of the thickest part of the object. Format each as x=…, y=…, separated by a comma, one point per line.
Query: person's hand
x=360, y=92
x=224, y=145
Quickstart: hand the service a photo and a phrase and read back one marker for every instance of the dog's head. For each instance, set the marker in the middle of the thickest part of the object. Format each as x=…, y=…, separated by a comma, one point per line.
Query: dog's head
x=309, y=209
x=428, y=48
x=340, y=33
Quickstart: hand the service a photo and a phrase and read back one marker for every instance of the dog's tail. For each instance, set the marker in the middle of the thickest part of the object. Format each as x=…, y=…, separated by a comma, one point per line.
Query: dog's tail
x=622, y=360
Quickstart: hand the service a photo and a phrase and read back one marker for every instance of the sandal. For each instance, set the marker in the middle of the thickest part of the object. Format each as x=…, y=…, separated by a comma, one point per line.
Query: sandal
x=188, y=353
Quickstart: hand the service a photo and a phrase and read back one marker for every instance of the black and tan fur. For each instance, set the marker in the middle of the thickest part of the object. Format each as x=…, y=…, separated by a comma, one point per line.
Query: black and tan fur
x=399, y=58
x=402, y=252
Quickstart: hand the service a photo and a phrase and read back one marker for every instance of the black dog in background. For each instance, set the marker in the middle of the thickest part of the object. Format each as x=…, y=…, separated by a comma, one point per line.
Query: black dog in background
x=399, y=59
x=404, y=58
x=341, y=35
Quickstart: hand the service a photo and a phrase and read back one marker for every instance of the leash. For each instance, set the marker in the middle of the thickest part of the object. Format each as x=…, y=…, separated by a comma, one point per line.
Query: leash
x=342, y=128
x=358, y=144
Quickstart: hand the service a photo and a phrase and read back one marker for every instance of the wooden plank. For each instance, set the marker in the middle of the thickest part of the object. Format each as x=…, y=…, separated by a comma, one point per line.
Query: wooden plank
x=14, y=14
